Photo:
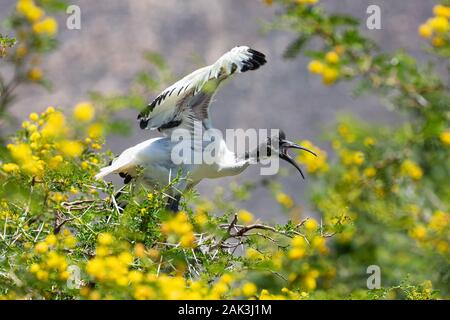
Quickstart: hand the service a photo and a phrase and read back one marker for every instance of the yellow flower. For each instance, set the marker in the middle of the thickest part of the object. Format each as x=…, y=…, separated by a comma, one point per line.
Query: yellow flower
x=369, y=141
x=307, y=1
x=419, y=233
x=71, y=149
x=187, y=240
x=315, y=66
x=49, y=110
x=105, y=239
x=411, y=169
x=249, y=289
x=41, y=247
x=51, y=240
x=312, y=163
x=35, y=136
x=84, y=112
x=445, y=137
x=125, y=258
x=442, y=247
x=443, y=11
x=330, y=75
x=55, y=125
x=21, y=152
x=437, y=42
x=42, y=275
x=285, y=200
x=370, y=172
x=35, y=268
x=425, y=31
x=70, y=242
x=135, y=276
x=296, y=253
x=253, y=254
x=298, y=242
x=439, y=221
x=95, y=131
x=96, y=146
x=332, y=57
x=201, y=218
x=139, y=250
x=144, y=293
x=47, y=26
x=55, y=161
x=245, y=216
x=10, y=167
x=34, y=116
x=358, y=158
x=439, y=24
x=311, y=225
x=320, y=244
x=35, y=74
x=310, y=283
x=29, y=10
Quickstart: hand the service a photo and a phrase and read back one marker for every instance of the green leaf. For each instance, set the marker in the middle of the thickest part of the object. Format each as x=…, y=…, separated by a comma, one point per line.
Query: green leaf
x=295, y=47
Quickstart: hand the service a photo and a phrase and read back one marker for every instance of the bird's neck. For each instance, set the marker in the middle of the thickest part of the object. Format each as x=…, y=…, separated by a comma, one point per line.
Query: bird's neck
x=255, y=155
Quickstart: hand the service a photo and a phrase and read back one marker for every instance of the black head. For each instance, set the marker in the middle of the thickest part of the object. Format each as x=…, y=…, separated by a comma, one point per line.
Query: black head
x=284, y=145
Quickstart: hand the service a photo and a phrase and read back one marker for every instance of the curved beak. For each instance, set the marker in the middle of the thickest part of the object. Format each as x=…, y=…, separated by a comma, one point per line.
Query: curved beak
x=284, y=146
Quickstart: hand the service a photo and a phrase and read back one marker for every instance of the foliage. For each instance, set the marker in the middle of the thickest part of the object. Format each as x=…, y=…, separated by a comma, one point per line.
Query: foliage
x=390, y=184
x=380, y=198
x=35, y=35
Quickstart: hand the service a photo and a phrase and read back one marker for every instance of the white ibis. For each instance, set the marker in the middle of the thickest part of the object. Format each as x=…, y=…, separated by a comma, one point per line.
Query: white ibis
x=184, y=105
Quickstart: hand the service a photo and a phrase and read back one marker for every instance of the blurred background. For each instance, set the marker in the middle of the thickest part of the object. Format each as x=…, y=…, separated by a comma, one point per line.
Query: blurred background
x=107, y=52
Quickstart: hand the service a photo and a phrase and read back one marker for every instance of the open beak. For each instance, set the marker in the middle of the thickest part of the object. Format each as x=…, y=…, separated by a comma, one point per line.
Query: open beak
x=284, y=146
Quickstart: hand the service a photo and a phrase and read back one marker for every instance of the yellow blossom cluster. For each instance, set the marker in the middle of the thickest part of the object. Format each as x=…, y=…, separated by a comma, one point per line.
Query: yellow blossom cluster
x=349, y=158
x=117, y=269
x=52, y=265
x=285, y=200
x=245, y=216
x=47, y=143
x=298, y=249
x=179, y=230
x=307, y=2
x=411, y=169
x=445, y=137
x=346, y=133
x=35, y=74
x=313, y=164
x=435, y=233
x=84, y=112
x=285, y=294
x=328, y=68
x=36, y=15
x=110, y=267
x=437, y=27
x=311, y=225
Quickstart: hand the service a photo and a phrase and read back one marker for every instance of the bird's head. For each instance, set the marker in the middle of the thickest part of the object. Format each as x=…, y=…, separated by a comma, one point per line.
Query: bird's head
x=279, y=145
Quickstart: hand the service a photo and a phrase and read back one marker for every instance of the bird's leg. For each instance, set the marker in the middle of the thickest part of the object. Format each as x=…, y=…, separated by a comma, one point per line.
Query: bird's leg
x=173, y=203
x=121, y=205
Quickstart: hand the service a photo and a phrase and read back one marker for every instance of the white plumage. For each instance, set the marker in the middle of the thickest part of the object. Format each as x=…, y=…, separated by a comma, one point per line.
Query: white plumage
x=185, y=104
x=190, y=97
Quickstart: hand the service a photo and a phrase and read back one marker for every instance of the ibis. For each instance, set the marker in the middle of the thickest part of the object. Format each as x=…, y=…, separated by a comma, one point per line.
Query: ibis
x=185, y=105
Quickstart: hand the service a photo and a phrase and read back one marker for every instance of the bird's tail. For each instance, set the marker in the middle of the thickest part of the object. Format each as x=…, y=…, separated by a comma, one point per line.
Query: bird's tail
x=104, y=172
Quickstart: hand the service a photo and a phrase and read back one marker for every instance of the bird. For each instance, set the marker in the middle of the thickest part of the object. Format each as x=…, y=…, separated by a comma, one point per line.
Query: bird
x=185, y=106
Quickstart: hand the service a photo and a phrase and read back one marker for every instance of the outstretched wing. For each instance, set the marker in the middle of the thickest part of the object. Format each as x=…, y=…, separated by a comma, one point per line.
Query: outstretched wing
x=189, y=98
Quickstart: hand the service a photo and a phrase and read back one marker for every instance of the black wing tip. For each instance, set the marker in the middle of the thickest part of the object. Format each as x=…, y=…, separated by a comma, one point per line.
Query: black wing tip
x=143, y=123
x=256, y=60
